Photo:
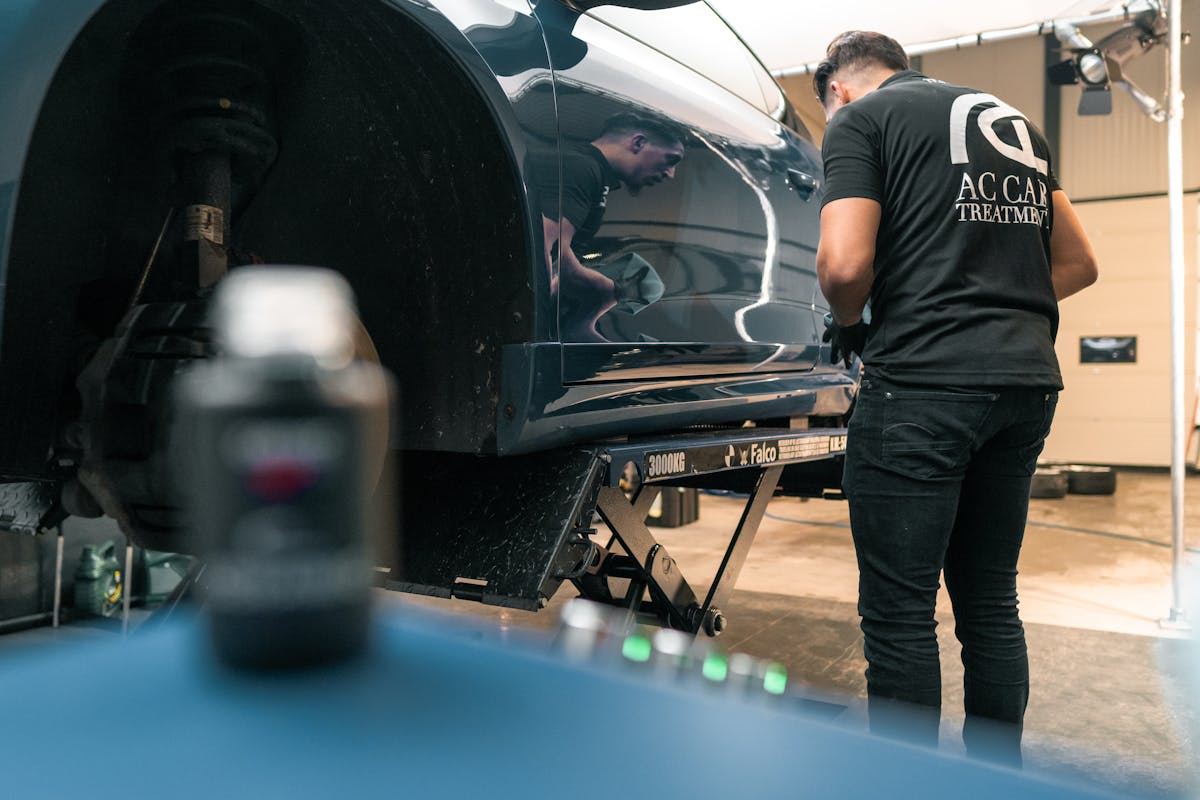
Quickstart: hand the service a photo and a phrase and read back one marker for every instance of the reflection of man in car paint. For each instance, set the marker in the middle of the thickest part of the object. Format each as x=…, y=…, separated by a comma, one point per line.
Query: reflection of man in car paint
x=633, y=152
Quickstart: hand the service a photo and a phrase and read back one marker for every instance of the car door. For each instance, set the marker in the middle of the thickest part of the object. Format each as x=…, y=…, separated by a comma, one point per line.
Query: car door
x=713, y=267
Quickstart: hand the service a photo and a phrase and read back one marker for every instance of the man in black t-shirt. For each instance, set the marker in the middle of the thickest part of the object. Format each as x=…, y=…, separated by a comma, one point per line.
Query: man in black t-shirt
x=941, y=207
x=632, y=151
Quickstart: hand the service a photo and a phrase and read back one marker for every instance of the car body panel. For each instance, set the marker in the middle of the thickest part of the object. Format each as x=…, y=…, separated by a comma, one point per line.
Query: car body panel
x=34, y=36
x=554, y=413
x=482, y=358
x=731, y=239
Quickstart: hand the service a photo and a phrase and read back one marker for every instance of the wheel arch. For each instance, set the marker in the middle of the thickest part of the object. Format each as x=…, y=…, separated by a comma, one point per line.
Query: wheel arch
x=399, y=164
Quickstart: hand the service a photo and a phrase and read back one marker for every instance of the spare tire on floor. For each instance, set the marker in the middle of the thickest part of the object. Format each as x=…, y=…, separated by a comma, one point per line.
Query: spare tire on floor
x=1091, y=480
x=1048, y=483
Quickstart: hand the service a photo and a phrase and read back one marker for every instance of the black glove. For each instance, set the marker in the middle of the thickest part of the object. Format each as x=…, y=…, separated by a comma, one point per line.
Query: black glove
x=844, y=342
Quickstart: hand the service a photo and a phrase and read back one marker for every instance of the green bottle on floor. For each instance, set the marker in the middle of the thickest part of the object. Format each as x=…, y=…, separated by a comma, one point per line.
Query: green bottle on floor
x=98, y=580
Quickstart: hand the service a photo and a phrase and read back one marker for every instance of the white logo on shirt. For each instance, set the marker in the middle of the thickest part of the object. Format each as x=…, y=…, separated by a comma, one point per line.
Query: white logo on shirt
x=961, y=110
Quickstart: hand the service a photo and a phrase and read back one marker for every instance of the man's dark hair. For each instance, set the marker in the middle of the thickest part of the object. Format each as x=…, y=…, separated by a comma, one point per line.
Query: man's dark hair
x=854, y=49
x=659, y=131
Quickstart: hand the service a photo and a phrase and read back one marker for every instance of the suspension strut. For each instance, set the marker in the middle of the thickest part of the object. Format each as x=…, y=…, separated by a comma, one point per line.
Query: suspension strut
x=207, y=77
x=213, y=90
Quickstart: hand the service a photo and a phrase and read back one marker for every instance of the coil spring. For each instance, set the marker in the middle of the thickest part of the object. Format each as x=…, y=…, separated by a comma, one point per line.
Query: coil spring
x=214, y=87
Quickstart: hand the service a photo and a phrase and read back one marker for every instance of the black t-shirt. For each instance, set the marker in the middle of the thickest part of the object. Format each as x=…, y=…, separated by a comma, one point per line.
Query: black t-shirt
x=962, y=294
x=587, y=179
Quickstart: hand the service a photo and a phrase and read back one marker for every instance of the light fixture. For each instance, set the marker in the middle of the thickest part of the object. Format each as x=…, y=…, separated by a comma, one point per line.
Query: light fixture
x=1097, y=67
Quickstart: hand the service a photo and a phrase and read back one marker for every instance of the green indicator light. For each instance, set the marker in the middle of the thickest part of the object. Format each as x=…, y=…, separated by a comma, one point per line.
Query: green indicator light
x=775, y=679
x=715, y=668
x=636, y=648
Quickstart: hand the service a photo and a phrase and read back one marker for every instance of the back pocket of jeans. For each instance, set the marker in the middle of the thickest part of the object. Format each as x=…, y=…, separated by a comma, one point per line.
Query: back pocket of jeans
x=931, y=434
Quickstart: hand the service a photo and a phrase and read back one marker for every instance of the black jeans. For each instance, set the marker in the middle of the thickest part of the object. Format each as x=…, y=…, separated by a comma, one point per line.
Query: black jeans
x=938, y=480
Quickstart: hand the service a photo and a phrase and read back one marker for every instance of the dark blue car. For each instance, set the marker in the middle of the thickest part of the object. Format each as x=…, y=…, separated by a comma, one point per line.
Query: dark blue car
x=565, y=222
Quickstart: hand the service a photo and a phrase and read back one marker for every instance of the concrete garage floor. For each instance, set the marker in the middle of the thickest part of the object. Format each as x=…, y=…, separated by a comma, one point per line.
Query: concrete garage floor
x=1105, y=705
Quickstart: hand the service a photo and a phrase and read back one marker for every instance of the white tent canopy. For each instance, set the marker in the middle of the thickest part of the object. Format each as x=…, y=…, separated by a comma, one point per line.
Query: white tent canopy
x=786, y=33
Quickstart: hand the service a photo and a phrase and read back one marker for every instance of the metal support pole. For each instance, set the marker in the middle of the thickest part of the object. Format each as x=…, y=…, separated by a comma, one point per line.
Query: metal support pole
x=127, y=588
x=20, y=623
x=58, y=566
x=1178, y=343
x=731, y=565
x=658, y=571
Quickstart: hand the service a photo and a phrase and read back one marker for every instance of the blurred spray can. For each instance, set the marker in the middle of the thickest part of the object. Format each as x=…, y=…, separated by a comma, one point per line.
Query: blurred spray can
x=283, y=438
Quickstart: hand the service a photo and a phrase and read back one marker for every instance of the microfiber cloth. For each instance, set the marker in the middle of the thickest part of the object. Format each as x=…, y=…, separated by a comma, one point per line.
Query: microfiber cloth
x=637, y=283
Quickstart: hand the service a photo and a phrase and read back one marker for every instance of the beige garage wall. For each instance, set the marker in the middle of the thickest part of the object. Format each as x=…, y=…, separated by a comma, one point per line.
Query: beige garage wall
x=1115, y=168
x=799, y=90
x=1121, y=413
x=1010, y=70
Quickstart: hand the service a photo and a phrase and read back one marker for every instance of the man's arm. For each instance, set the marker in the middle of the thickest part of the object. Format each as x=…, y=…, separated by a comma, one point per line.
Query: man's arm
x=1072, y=261
x=550, y=234
x=573, y=277
x=846, y=256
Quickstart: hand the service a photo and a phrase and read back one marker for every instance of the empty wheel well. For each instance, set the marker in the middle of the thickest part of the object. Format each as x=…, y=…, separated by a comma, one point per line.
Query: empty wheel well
x=391, y=167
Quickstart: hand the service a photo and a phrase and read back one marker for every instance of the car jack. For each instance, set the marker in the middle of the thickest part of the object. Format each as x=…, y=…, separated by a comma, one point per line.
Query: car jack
x=651, y=569
x=525, y=526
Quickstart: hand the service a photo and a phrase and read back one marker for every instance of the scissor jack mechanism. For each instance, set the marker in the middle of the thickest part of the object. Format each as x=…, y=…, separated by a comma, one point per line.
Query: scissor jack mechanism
x=651, y=570
x=525, y=525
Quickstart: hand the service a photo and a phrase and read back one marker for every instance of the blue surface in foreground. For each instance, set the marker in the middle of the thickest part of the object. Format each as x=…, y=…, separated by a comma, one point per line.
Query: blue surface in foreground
x=436, y=708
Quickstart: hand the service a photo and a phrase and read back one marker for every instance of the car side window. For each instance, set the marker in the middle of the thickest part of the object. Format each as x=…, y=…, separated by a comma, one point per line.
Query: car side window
x=778, y=106
x=678, y=208
x=772, y=94
x=695, y=36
